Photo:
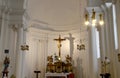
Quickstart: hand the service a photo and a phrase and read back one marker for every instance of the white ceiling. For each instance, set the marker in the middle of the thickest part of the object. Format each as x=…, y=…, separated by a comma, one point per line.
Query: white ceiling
x=56, y=14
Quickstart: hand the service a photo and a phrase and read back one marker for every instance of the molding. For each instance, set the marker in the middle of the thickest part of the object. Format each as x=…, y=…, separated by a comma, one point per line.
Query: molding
x=46, y=26
x=36, y=30
x=17, y=11
x=26, y=15
x=107, y=1
x=97, y=9
x=15, y=27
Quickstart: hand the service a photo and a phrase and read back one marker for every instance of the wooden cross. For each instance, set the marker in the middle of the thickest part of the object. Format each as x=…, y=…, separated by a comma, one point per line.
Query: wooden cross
x=59, y=44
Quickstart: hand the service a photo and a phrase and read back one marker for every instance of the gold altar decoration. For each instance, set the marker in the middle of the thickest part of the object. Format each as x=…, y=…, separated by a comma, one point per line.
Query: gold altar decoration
x=50, y=65
x=68, y=67
x=59, y=66
x=59, y=44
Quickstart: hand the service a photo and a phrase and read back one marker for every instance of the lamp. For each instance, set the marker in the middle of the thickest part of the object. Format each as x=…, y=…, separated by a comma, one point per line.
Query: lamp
x=93, y=20
x=24, y=47
x=81, y=46
x=101, y=22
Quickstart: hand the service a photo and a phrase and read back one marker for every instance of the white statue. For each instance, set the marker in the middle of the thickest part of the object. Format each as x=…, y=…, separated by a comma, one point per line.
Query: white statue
x=105, y=65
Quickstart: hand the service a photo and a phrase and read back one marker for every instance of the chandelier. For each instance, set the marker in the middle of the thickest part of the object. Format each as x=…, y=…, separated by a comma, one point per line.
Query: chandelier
x=92, y=19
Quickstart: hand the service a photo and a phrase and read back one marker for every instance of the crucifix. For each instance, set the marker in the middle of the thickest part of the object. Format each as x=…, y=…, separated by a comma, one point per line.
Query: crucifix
x=71, y=40
x=59, y=44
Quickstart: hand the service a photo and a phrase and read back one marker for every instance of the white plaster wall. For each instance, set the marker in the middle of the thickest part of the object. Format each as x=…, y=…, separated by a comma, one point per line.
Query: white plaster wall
x=80, y=58
x=35, y=58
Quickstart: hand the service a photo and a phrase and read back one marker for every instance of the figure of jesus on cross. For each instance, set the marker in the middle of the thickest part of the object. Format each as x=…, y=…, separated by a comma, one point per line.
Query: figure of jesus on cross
x=59, y=44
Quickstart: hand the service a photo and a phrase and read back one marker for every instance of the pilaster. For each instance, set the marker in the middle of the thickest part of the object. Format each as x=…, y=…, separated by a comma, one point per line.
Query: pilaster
x=109, y=38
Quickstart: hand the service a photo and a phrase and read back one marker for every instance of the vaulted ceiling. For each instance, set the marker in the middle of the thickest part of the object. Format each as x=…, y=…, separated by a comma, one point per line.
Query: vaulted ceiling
x=58, y=15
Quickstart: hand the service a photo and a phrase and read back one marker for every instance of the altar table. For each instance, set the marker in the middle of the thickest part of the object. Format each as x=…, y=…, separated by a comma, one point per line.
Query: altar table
x=59, y=75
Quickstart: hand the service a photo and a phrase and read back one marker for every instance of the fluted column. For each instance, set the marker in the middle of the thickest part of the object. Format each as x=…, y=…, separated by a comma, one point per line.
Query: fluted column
x=92, y=53
x=19, y=55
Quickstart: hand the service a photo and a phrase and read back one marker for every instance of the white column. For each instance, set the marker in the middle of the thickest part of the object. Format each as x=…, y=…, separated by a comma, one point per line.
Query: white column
x=21, y=55
x=4, y=33
x=92, y=53
x=108, y=33
x=19, y=61
x=0, y=39
x=0, y=32
x=111, y=52
x=24, y=54
x=2, y=36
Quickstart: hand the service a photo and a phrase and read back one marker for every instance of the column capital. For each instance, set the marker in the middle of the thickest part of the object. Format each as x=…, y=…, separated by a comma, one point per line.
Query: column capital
x=15, y=27
x=99, y=27
x=96, y=9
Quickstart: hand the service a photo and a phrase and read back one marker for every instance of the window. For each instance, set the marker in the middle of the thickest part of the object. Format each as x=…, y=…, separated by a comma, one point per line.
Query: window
x=98, y=44
x=115, y=27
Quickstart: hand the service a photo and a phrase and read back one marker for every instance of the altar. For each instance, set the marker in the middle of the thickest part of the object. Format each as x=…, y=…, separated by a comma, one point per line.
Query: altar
x=56, y=67
x=59, y=75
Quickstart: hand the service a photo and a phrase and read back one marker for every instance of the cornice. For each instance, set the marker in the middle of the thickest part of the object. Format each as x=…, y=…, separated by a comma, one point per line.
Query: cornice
x=114, y=1
x=4, y=9
x=46, y=26
x=17, y=11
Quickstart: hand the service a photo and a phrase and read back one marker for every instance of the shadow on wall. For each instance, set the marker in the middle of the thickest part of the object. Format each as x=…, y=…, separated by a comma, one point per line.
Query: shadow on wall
x=78, y=69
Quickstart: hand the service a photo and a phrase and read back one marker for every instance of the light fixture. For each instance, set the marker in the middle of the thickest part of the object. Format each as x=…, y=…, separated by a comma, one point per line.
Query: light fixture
x=81, y=46
x=93, y=19
x=86, y=19
x=24, y=47
x=59, y=58
x=101, y=22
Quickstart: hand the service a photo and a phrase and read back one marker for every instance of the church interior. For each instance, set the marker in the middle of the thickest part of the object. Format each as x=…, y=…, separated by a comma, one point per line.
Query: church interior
x=59, y=38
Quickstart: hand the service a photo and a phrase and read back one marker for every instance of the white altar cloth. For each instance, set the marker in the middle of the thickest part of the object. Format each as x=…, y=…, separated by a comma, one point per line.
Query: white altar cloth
x=56, y=75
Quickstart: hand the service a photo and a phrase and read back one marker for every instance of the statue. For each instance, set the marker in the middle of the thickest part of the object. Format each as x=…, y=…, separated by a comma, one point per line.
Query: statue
x=105, y=68
x=68, y=67
x=50, y=65
x=6, y=65
x=50, y=59
x=68, y=59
